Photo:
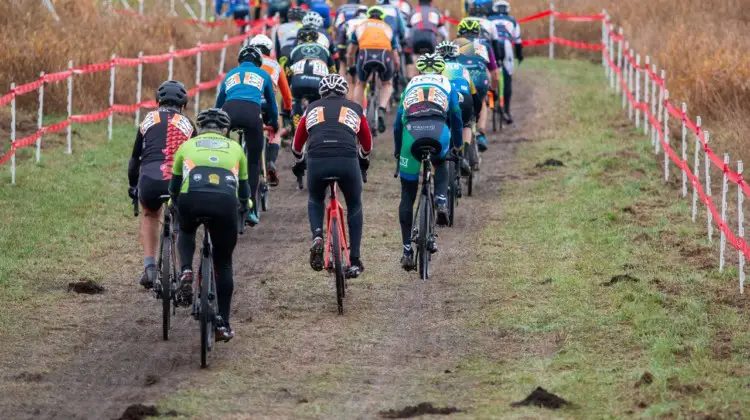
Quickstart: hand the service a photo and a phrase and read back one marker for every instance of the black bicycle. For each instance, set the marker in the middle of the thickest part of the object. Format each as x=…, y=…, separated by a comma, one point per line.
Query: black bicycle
x=496, y=108
x=423, y=227
x=471, y=153
x=263, y=181
x=454, y=185
x=205, y=304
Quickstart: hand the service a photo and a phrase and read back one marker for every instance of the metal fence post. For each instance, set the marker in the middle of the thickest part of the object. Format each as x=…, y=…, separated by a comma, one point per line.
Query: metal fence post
x=631, y=84
x=707, y=166
x=69, y=131
x=110, y=119
x=620, y=44
x=684, y=147
x=197, y=99
x=637, y=91
x=666, y=137
x=40, y=120
x=724, y=188
x=12, y=135
x=222, y=61
x=552, y=31
x=646, y=94
x=696, y=168
x=139, y=89
x=741, y=228
x=170, y=64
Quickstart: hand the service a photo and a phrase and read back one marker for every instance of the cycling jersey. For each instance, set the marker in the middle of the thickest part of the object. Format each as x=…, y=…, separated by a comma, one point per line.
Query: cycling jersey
x=511, y=25
x=345, y=33
x=332, y=127
x=277, y=6
x=461, y=81
x=470, y=46
x=476, y=63
x=346, y=13
x=311, y=52
x=374, y=34
x=249, y=83
x=506, y=43
x=322, y=7
x=325, y=40
x=428, y=18
x=233, y=6
x=395, y=20
x=210, y=163
x=286, y=36
x=279, y=80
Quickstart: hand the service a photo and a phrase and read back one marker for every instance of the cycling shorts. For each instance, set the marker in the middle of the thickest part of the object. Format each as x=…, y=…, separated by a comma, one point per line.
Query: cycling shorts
x=221, y=214
x=467, y=109
x=369, y=61
x=305, y=87
x=247, y=116
x=149, y=191
x=423, y=42
x=416, y=129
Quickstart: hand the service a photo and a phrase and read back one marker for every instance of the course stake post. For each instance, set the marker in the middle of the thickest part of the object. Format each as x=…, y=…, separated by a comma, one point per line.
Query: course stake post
x=197, y=100
x=170, y=64
x=654, y=86
x=12, y=135
x=646, y=94
x=625, y=68
x=724, y=188
x=69, y=131
x=696, y=168
x=139, y=89
x=552, y=31
x=620, y=44
x=637, y=91
x=666, y=137
x=684, y=147
x=222, y=61
x=39, y=120
x=707, y=167
x=110, y=119
x=662, y=108
x=741, y=229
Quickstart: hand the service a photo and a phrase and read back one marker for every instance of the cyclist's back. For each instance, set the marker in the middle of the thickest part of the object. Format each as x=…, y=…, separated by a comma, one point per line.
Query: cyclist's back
x=286, y=34
x=310, y=62
x=426, y=23
x=322, y=7
x=475, y=58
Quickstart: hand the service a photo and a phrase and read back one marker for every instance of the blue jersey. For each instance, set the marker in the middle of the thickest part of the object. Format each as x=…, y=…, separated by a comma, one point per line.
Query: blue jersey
x=477, y=70
x=232, y=6
x=249, y=83
x=321, y=7
x=347, y=12
x=395, y=20
x=459, y=77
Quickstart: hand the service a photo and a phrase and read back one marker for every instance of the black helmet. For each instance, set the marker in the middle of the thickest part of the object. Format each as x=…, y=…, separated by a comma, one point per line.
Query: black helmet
x=250, y=53
x=295, y=13
x=215, y=117
x=172, y=92
x=307, y=34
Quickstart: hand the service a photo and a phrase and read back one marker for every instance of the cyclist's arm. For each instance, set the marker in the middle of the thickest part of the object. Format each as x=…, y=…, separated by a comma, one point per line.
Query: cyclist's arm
x=134, y=165
x=498, y=51
x=456, y=120
x=219, y=5
x=398, y=129
x=300, y=138
x=286, y=94
x=277, y=46
x=351, y=51
x=364, y=136
x=442, y=30
x=270, y=97
x=222, y=94
x=175, y=184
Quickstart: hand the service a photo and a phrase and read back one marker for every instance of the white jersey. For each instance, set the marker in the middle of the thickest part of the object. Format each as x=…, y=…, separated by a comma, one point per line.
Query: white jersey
x=286, y=34
x=489, y=31
x=351, y=26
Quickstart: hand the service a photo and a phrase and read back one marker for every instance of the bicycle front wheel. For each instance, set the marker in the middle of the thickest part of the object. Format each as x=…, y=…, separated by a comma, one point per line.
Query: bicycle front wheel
x=206, y=312
x=338, y=265
x=423, y=253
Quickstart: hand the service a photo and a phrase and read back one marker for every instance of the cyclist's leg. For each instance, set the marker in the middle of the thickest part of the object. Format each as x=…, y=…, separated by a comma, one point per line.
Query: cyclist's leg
x=317, y=169
x=186, y=209
x=386, y=77
x=223, y=229
x=507, y=90
x=351, y=187
x=363, y=73
x=149, y=191
x=409, y=168
x=441, y=169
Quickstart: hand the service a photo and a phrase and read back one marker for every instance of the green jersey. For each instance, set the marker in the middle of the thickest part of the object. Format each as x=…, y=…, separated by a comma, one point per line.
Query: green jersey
x=210, y=163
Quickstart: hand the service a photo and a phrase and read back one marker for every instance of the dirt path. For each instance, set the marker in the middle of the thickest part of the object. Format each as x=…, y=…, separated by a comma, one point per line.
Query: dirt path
x=293, y=355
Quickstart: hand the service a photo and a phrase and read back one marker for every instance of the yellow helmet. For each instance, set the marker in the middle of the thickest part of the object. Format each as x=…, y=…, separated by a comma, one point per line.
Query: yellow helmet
x=376, y=12
x=469, y=26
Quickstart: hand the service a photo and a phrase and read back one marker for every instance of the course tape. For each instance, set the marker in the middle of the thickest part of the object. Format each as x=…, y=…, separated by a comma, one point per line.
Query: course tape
x=544, y=14
x=738, y=243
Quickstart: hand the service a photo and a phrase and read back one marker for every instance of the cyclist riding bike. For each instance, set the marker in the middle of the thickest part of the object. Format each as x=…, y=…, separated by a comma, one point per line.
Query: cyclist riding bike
x=286, y=35
x=314, y=20
x=209, y=184
x=471, y=103
x=429, y=108
x=321, y=7
x=150, y=168
x=310, y=62
x=482, y=66
x=272, y=7
x=332, y=127
x=280, y=84
x=238, y=9
x=373, y=45
x=427, y=28
x=512, y=30
x=241, y=95
x=347, y=18
x=394, y=19
x=487, y=31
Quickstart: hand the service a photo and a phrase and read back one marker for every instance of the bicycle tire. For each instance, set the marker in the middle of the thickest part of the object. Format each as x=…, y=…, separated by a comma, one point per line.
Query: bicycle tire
x=264, y=197
x=206, y=315
x=166, y=285
x=452, y=191
x=423, y=258
x=494, y=121
x=338, y=265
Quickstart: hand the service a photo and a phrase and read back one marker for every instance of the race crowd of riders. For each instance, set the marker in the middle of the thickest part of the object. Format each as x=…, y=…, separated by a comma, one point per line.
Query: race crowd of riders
x=320, y=64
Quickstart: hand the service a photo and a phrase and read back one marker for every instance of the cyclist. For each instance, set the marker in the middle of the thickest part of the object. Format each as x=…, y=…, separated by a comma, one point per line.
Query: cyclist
x=238, y=9
x=373, y=43
x=332, y=127
x=348, y=16
x=488, y=35
x=427, y=26
x=286, y=34
x=394, y=19
x=429, y=108
x=482, y=66
x=310, y=62
x=208, y=176
x=313, y=19
x=471, y=103
x=321, y=7
x=272, y=7
x=150, y=168
x=278, y=76
x=501, y=18
x=241, y=95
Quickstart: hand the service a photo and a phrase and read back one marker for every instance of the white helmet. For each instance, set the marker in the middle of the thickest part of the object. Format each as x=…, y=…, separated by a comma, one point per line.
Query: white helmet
x=333, y=84
x=312, y=19
x=501, y=6
x=263, y=42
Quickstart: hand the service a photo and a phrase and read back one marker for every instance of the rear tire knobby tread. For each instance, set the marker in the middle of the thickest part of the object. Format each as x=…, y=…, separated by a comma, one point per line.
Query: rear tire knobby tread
x=422, y=250
x=452, y=192
x=338, y=265
x=166, y=285
x=205, y=310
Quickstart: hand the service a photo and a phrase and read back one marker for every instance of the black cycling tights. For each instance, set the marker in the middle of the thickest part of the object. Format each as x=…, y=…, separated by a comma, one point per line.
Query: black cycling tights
x=507, y=90
x=409, y=190
x=247, y=116
x=221, y=211
x=350, y=184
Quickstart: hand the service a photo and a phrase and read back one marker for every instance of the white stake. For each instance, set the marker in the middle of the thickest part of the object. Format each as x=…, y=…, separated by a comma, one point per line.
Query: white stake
x=222, y=60
x=741, y=229
x=654, y=86
x=552, y=31
x=696, y=169
x=139, y=90
x=684, y=148
x=724, y=188
x=12, y=135
x=172, y=12
x=620, y=44
x=140, y=7
x=39, y=120
x=646, y=96
x=626, y=77
x=631, y=83
x=197, y=100
x=637, y=91
x=605, y=42
x=666, y=138
x=170, y=64
x=110, y=119
x=662, y=97
x=69, y=131
x=707, y=166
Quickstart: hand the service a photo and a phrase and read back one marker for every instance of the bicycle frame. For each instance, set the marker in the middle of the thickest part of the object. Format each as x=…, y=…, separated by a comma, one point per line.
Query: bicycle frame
x=334, y=210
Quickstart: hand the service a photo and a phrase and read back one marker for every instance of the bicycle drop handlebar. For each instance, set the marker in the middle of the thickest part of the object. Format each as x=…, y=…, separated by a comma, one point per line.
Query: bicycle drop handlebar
x=135, y=207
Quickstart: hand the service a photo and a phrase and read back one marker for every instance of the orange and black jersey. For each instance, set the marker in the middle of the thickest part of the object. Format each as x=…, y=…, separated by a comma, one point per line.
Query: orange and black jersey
x=159, y=136
x=332, y=127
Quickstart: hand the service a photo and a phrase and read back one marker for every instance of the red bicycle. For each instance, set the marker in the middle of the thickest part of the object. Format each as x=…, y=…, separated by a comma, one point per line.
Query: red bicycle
x=336, y=257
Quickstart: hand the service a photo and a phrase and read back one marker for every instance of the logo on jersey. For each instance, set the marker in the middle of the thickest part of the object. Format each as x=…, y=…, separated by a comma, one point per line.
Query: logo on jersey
x=254, y=80
x=314, y=117
x=349, y=118
x=213, y=159
x=212, y=143
x=434, y=95
x=232, y=81
x=183, y=124
x=152, y=118
x=213, y=179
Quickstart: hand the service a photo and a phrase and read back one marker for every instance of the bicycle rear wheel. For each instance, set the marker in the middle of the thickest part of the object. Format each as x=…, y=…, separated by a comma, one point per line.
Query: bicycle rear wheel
x=207, y=315
x=338, y=265
x=264, y=181
x=452, y=191
x=166, y=285
x=423, y=254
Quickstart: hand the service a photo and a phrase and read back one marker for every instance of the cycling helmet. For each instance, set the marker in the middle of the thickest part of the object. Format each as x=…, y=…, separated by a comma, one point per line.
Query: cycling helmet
x=250, y=53
x=213, y=118
x=333, y=84
x=313, y=19
x=375, y=12
x=307, y=34
x=478, y=11
x=263, y=43
x=447, y=49
x=172, y=92
x=469, y=26
x=382, y=2
x=295, y=14
x=501, y=6
x=430, y=63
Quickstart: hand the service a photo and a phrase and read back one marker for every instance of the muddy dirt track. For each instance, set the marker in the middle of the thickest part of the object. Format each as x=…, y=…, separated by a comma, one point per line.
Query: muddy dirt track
x=291, y=348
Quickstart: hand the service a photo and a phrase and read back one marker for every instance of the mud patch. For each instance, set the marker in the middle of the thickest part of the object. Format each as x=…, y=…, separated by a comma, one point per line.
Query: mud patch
x=673, y=384
x=641, y=237
x=88, y=287
x=418, y=410
x=646, y=379
x=628, y=209
x=550, y=163
x=151, y=380
x=139, y=412
x=722, y=345
x=621, y=278
x=29, y=377
x=541, y=398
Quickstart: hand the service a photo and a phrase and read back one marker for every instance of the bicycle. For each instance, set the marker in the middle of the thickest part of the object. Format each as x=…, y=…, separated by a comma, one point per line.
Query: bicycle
x=205, y=306
x=496, y=108
x=372, y=95
x=336, y=257
x=471, y=153
x=263, y=182
x=454, y=185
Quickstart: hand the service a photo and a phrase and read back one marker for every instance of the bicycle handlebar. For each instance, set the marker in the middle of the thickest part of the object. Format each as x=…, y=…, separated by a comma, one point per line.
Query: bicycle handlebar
x=395, y=173
x=135, y=207
x=364, y=176
x=299, y=182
